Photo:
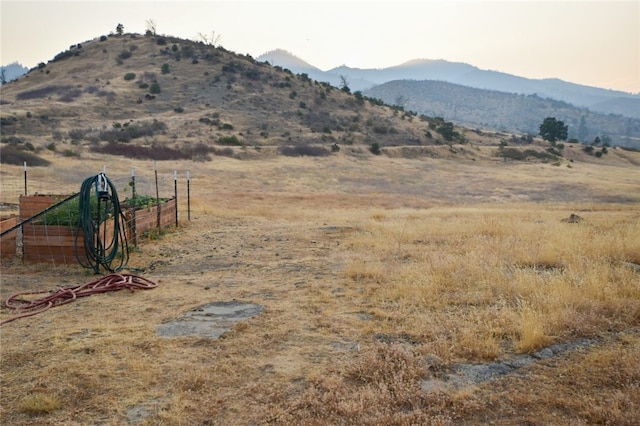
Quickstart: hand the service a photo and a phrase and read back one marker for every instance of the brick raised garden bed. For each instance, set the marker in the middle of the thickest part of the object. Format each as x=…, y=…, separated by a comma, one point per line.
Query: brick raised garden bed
x=57, y=243
x=54, y=244
x=8, y=242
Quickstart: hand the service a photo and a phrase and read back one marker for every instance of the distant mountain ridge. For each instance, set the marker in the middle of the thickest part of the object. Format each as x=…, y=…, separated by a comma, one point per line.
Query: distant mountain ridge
x=596, y=99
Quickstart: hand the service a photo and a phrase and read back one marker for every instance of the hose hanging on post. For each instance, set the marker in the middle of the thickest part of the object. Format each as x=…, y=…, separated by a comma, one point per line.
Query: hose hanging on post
x=100, y=242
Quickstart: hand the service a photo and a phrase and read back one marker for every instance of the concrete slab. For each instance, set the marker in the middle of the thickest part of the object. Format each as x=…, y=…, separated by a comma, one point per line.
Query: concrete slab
x=210, y=321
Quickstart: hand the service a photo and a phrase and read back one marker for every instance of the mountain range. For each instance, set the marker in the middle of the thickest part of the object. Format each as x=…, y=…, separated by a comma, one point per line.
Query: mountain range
x=596, y=99
x=485, y=99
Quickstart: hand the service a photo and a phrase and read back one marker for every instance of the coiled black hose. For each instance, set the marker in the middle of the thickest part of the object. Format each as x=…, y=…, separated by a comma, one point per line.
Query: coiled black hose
x=104, y=245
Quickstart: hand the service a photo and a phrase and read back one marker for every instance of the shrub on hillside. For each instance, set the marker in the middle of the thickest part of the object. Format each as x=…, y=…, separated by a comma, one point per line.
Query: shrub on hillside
x=304, y=150
x=64, y=55
x=107, y=93
x=518, y=155
x=77, y=134
x=224, y=152
x=188, y=52
x=229, y=140
x=18, y=143
x=209, y=121
x=43, y=92
x=156, y=152
x=12, y=140
x=69, y=153
x=125, y=54
x=154, y=88
x=132, y=131
x=232, y=67
x=70, y=95
x=252, y=74
x=130, y=76
x=375, y=101
x=17, y=157
x=7, y=121
x=319, y=120
x=381, y=130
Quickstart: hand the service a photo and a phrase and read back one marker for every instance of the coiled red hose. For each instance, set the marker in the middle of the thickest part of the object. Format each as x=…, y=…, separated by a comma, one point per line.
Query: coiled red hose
x=113, y=282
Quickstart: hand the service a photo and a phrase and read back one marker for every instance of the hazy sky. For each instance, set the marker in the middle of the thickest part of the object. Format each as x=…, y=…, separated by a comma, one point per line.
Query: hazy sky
x=596, y=43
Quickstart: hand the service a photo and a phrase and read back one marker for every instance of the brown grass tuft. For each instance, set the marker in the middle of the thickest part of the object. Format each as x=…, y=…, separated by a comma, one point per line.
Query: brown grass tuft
x=39, y=403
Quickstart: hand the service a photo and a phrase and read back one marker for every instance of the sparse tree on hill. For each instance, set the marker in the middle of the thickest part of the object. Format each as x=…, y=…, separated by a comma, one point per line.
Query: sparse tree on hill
x=344, y=84
x=151, y=27
x=119, y=29
x=400, y=101
x=375, y=148
x=212, y=40
x=583, y=131
x=553, y=130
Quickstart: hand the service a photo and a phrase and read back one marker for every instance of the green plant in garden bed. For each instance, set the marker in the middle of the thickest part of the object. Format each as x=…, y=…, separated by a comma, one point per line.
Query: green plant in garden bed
x=68, y=213
x=142, y=202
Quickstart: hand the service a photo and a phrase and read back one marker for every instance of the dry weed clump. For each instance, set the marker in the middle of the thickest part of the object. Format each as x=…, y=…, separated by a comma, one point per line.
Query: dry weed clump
x=379, y=386
x=39, y=403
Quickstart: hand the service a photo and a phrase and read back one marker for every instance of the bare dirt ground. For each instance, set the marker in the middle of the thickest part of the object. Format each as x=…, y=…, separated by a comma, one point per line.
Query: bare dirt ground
x=279, y=236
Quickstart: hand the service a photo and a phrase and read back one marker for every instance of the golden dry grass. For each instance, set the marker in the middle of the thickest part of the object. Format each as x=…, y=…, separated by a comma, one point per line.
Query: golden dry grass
x=375, y=274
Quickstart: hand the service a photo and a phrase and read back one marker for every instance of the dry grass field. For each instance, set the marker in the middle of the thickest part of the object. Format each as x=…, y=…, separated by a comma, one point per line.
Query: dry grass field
x=379, y=278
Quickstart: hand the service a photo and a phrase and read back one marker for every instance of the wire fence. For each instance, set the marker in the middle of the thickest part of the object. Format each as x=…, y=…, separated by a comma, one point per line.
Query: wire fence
x=150, y=181
x=44, y=227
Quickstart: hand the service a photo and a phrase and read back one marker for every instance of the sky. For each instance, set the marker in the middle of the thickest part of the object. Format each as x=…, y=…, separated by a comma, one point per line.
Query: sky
x=594, y=43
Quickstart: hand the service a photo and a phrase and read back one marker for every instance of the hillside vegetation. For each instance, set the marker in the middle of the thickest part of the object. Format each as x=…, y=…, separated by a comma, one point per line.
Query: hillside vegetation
x=191, y=97
x=163, y=98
